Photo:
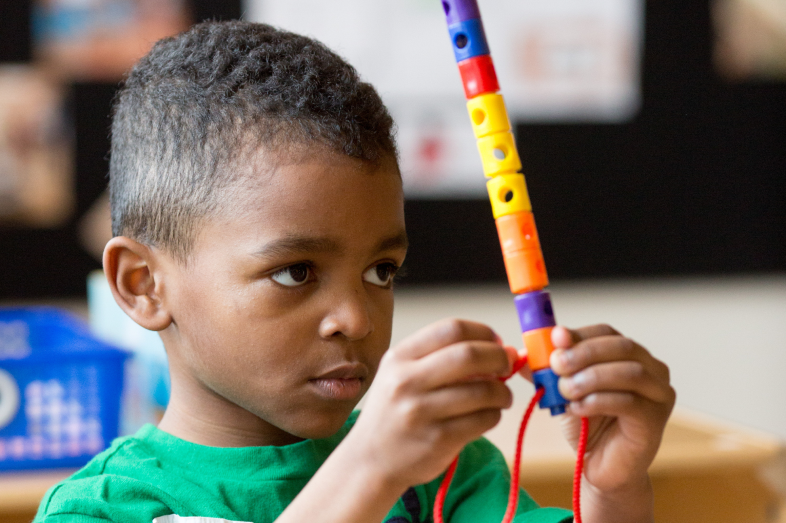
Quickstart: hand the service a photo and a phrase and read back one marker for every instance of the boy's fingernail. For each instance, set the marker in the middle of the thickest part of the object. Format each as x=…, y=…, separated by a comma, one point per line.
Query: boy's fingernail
x=562, y=356
x=564, y=386
x=497, y=338
x=577, y=381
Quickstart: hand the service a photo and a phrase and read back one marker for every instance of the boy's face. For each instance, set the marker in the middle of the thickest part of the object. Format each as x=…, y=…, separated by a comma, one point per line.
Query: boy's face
x=284, y=310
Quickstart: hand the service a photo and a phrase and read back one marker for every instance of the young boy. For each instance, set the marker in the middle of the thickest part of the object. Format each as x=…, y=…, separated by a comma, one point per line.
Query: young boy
x=258, y=217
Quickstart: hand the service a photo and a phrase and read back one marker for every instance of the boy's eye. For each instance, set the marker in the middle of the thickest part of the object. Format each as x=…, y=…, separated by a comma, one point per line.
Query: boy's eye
x=293, y=275
x=381, y=275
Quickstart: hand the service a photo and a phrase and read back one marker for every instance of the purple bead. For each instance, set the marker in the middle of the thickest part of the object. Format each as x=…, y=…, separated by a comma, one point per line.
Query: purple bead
x=460, y=10
x=535, y=311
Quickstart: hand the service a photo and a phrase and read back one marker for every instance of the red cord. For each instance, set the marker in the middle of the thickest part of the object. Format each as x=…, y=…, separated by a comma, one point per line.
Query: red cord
x=439, y=502
x=513, y=496
x=580, y=451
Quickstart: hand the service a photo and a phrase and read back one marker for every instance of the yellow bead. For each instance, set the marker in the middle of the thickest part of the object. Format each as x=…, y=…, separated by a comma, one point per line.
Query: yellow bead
x=488, y=114
x=498, y=154
x=508, y=194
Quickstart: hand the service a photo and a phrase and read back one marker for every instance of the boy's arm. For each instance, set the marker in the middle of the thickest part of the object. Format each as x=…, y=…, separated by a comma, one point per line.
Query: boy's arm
x=625, y=392
x=434, y=393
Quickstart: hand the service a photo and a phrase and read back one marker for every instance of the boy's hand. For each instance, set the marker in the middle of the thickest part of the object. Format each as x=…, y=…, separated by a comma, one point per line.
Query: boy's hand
x=625, y=393
x=434, y=392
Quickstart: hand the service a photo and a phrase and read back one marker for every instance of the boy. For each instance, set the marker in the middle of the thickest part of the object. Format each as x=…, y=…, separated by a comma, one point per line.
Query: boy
x=258, y=219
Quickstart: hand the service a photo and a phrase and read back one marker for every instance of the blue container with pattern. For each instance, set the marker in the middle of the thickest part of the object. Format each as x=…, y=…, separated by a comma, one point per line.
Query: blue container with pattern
x=60, y=390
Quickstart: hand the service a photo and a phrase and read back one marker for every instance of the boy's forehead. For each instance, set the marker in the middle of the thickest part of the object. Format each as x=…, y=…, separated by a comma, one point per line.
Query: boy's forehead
x=309, y=184
x=262, y=164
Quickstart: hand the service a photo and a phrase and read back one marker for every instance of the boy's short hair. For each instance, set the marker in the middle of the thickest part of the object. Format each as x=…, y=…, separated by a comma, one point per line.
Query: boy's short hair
x=202, y=100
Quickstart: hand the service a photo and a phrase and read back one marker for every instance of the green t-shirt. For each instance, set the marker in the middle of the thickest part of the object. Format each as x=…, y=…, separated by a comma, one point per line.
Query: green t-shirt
x=154, y=474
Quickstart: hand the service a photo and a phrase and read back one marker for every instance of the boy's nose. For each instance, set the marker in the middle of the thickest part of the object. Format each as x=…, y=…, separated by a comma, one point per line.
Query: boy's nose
x=348, y=315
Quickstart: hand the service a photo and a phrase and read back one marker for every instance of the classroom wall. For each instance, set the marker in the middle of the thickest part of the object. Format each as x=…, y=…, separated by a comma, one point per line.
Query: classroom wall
x=694, y=184
x=724, y=339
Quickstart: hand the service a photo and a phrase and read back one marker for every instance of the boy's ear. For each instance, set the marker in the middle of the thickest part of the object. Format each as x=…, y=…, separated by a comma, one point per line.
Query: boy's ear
x=135, y=284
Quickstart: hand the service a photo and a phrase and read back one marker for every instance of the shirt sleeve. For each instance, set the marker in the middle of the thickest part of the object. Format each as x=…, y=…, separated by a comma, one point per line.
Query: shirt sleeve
x=102, y=499
x=72, y=518
x=480, y=487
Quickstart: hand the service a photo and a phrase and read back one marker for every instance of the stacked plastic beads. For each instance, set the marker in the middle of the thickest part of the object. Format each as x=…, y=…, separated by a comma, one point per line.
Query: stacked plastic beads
x=507, y=190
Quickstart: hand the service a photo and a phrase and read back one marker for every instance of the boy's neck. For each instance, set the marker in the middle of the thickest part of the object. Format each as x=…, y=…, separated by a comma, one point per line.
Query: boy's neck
x=201, y=416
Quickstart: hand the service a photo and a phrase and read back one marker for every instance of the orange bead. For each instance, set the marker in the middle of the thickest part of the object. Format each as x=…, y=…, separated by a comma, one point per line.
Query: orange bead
x=526, y=270
x=539, y=347
x=517, y=232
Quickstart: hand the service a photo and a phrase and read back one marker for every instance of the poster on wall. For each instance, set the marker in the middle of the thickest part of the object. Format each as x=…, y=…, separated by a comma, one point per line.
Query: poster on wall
x=561, y=61
x=99, y=40
x=73, y=41
x=36, y=150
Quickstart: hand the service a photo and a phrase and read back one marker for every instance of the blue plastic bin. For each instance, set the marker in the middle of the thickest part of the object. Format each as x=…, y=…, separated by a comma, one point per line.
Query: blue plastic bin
x=60, y=390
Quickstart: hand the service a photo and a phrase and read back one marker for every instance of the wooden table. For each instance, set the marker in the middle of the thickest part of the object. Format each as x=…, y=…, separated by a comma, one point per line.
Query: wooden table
x=20, y=493
x=706, y=471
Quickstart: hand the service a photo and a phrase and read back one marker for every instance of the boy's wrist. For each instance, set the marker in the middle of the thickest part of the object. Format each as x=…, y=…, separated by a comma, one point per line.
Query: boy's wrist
x=630, y=503
x=355, y=452
x=345, y=489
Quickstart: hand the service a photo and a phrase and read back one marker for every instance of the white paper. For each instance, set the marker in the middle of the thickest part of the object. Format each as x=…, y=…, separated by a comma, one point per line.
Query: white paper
x=557, y=61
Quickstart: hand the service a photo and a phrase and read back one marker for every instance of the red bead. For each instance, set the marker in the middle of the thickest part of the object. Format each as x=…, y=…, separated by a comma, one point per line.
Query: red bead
x=478, y=76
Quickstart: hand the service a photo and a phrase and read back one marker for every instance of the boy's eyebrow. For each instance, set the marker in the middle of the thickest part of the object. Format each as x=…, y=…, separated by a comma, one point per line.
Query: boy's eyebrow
x=297, y=244
x=301, y=244
x=399, y=241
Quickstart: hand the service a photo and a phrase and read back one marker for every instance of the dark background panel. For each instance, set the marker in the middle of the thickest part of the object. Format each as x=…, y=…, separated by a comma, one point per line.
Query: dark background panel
x=694, y=184
x=215, y=9
x=15, y=31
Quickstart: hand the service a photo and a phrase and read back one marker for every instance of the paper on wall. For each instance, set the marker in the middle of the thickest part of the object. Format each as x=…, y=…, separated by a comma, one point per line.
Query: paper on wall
x=557, y=61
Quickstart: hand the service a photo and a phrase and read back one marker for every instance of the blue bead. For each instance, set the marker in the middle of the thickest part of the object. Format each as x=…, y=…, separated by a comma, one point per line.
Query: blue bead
x=535, y=310
x=468, y=39
x=551, y=399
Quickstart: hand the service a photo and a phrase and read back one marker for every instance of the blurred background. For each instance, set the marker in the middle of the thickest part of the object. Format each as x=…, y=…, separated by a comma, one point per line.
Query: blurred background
x=652, y=134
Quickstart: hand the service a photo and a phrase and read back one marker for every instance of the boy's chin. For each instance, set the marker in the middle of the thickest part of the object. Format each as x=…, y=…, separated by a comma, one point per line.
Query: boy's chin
x=320, y=425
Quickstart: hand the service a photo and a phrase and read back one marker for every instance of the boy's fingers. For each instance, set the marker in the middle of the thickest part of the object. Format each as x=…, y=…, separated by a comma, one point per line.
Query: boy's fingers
x=472, y=426
x=562, y=337
x=605, y=349
x=618, y=376
x=441, y=334
x=465, y=398
x=520, y=364
x=621, y=405
x=459, y=362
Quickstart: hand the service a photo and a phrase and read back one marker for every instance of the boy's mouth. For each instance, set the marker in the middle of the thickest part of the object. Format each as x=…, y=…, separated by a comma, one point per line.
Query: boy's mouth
x=342, y=383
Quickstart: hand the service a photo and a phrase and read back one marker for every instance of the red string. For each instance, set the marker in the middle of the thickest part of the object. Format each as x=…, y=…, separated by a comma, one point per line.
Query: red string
x=439, y=502
x=513, y=496
x=580, y=451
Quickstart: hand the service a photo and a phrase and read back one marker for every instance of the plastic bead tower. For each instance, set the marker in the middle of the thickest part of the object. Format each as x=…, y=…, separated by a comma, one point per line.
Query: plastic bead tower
x=507, y=190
